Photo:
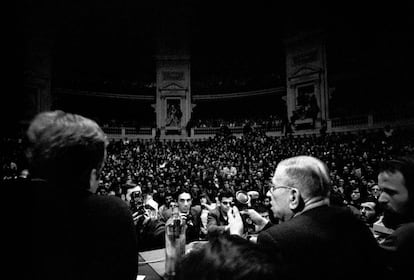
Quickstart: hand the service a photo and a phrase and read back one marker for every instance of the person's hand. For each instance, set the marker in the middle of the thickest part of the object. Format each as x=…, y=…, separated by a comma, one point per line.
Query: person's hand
x=235, y=221
x=256, y=218
x=183, y=216
x=187, y=219
x=142, y=219
x=152, y=214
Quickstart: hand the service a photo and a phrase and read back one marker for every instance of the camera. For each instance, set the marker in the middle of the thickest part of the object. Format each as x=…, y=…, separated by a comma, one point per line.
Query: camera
x=243, y=202
x=189, y=220
x=141, y=210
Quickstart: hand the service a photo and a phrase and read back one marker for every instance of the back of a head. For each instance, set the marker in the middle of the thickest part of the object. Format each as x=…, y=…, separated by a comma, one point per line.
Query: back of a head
x=230, y=257
x=308, y=174
x=64, y=148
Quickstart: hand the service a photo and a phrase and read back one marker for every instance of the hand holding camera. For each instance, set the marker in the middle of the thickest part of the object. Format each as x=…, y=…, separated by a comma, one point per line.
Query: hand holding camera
x=143, y=215
x=243, y=203
x=250, y=220
x=235, y=221
x=256, y=218
x=188, y=218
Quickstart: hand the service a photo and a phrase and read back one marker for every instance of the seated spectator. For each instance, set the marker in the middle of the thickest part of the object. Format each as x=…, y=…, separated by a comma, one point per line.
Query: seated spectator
x=206, y=207
x=188, y=212
x=354, y=199
x=374, y=192
x=165, y=208
x=337, y=197
x=150, y=231
x=369, y=212
x=230, y=258
x=217, y=223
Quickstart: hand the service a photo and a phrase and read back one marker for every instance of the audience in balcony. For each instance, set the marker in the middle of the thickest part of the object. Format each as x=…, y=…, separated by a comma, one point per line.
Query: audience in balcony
x=268, y=122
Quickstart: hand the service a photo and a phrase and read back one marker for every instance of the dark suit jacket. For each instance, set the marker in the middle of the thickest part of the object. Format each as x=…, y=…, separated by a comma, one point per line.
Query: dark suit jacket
x=327, y=242
x=79, y=235
x=193, y=222
x=151, y=235
x=399, y=249
x=216, y=222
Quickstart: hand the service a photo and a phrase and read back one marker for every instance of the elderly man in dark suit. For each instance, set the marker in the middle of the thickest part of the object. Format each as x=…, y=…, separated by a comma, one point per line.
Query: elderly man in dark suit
x=312, y=236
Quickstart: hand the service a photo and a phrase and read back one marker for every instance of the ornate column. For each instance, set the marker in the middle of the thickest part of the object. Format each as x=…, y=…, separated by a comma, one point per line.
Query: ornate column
x=306, y=75
x=173, y=97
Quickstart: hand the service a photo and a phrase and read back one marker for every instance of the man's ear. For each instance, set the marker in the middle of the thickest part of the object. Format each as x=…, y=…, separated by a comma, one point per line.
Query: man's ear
x=296, y=203
x=93, y=181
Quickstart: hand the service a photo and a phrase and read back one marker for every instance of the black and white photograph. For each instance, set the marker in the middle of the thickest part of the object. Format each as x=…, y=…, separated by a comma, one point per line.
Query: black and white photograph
x=235, y=140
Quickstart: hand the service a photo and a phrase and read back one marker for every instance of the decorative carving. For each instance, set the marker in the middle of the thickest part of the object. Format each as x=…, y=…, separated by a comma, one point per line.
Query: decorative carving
x=172, y=86
x=172, y=76
x=306, y=71
x=304, y=58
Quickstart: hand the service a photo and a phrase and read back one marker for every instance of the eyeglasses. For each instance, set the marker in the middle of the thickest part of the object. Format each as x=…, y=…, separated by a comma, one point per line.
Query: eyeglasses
x=273, y=187
x=226, y=202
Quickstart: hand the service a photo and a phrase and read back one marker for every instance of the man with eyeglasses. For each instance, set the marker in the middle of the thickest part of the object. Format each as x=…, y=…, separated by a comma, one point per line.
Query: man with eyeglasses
x=217, y=219
x=311, y=233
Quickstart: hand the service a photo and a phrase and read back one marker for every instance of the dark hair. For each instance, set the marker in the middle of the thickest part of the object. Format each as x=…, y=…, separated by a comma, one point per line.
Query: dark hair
x=65, y=148
x=225, y=193
x=405, y=165
x=180, y=191
x=204, y=195
x=229, y=257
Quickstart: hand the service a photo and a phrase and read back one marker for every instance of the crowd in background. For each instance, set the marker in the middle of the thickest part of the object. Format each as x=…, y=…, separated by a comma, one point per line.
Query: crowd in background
x=272, y=121
x=227, y=162
x=352, y=158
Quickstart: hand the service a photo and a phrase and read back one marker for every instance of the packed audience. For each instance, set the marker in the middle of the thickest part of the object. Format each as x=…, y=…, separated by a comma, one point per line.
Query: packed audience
x=268, y=122
x=352, y=158
x=161, y=168
x=202, y=181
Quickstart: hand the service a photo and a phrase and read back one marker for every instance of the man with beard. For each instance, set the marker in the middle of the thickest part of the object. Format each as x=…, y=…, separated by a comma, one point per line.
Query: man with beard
x=396, y=179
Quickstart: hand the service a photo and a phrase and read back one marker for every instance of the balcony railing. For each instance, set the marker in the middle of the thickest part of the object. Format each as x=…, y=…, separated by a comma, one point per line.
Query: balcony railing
x=334, y=125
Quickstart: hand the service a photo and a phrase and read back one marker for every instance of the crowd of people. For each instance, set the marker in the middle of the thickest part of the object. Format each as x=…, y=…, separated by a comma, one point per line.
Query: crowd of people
x=247, y=163
x=272, y=121
x=205, y=178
